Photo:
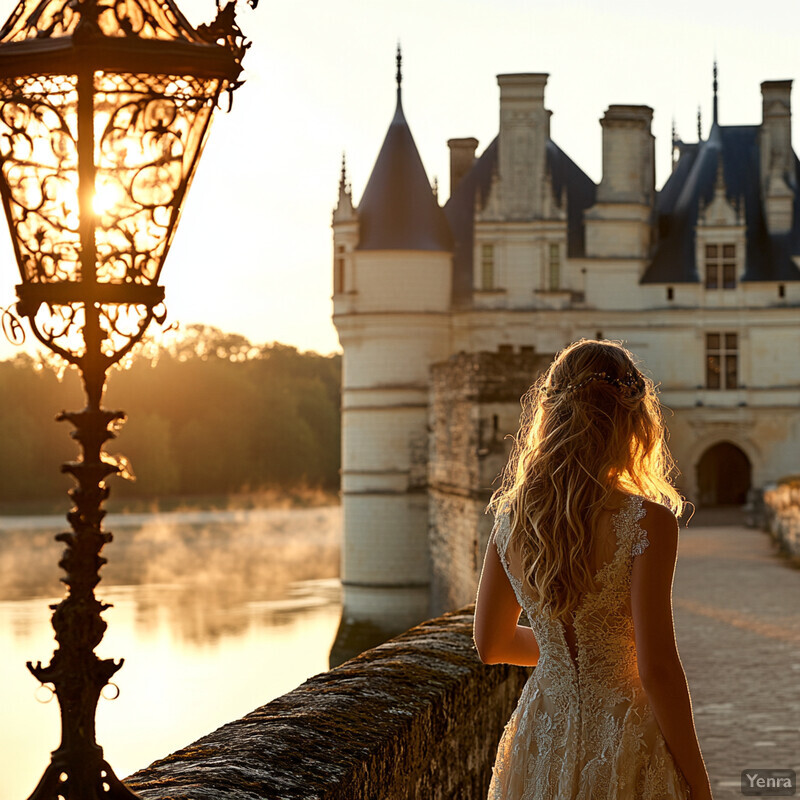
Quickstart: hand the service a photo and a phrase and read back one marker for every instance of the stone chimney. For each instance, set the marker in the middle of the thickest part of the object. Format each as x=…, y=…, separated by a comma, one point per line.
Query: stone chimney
x=628, y=156
x=777, y=158
x=462, y=157
x=524, y=131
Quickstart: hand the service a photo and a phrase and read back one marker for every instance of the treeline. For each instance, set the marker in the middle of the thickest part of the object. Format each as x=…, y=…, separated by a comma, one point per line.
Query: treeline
x=208, y=414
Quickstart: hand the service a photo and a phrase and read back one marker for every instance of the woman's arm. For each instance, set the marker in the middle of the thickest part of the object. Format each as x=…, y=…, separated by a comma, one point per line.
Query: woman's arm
x=660, y=666
x=498, y=637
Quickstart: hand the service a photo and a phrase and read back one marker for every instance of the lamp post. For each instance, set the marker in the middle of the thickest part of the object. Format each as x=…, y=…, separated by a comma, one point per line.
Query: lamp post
x=105, y=106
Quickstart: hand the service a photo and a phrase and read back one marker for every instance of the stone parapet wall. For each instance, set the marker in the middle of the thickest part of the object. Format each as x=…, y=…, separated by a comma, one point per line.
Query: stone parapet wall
x=459, y=532
x=782, y=515
x=417, y=717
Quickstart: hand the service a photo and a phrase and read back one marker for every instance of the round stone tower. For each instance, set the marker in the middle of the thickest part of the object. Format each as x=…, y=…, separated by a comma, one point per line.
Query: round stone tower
x=392, y=286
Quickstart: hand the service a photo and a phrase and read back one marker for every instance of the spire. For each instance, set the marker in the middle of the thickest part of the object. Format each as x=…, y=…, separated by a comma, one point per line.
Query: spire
x=344, y=210
x=399, y=75
x=398, y=112
x=675, y=142
x=398, y=210
x=343, y=176
x=714, y=119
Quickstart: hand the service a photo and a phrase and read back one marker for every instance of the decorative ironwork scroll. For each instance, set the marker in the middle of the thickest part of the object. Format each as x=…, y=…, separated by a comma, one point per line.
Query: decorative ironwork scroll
x=147, y=19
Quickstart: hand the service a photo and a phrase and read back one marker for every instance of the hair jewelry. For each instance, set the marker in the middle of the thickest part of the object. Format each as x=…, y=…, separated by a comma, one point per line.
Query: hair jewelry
x=631, y=385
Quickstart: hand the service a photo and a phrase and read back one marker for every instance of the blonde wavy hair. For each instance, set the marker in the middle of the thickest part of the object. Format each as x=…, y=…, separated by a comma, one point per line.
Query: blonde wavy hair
x=590, y=425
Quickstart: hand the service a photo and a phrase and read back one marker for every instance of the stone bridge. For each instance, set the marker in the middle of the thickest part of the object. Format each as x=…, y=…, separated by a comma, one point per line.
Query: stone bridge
x=419, y=717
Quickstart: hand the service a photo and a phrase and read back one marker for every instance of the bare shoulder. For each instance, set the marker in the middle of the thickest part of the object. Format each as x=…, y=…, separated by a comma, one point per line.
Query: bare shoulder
x=661, y=526
x=658, y=516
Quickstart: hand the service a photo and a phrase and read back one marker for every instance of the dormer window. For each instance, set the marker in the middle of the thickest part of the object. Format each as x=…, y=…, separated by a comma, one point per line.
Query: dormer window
x=720, y=266
x=487, y=267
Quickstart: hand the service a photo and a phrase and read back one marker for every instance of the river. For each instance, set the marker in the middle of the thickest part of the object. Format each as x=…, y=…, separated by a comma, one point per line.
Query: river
x=215, y=614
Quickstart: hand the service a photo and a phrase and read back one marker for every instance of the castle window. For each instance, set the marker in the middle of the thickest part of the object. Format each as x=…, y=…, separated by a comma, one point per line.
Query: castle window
x=781, y=290
x=487, y=267
x=339, y=270
x=670, y=293
x=720, y=266
x=554, y=268
x=722, y=361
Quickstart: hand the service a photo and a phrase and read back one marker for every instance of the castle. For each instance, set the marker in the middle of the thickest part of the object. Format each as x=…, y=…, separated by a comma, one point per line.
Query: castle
x=446, y=314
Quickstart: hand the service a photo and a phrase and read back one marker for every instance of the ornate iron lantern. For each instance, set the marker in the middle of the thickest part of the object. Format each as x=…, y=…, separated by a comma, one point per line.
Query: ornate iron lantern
x=105, y=106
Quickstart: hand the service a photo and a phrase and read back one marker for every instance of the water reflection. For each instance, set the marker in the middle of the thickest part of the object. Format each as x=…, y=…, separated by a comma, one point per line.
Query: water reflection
x=214, y=613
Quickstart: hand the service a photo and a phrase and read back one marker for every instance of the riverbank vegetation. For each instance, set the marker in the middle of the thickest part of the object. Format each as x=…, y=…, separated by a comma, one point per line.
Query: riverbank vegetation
x=213, y=420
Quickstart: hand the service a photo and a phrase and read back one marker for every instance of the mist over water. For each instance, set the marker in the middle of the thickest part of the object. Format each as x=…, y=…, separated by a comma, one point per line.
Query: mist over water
x=215, y=614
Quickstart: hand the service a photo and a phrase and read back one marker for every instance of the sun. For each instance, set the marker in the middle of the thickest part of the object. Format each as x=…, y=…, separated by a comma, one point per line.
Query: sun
x=107, y=196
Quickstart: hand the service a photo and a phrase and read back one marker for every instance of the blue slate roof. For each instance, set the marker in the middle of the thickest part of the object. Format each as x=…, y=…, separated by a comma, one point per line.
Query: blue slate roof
x=474, y=187
x=398, y=210
x=581, y=194
x=768, y=256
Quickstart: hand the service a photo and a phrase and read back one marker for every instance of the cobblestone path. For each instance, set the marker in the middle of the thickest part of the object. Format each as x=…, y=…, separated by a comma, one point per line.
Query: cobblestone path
x=737, y=622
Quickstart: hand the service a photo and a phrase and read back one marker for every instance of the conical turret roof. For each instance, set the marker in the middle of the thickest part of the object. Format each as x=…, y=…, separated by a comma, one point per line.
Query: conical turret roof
x=398, y=210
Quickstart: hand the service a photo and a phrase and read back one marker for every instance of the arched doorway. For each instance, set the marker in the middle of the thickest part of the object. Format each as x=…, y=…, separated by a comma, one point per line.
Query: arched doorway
x=723, y=476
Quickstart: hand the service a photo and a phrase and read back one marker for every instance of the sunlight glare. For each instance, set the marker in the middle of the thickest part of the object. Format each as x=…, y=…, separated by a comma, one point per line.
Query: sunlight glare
x=106, y=197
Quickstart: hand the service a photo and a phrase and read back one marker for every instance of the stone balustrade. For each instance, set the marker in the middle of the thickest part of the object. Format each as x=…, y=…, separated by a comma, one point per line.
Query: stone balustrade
x=418, y=717
x=782, y=515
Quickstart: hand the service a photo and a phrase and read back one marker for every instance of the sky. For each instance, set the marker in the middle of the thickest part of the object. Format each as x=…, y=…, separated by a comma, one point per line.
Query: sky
x=253, y=251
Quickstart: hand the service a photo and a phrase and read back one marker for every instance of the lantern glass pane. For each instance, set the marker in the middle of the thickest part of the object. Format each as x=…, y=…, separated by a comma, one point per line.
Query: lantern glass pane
x=148, y=130
x=39, y=171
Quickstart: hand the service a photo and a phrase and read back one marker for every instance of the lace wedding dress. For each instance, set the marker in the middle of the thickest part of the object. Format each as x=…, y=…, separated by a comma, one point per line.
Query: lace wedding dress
x=583, y=728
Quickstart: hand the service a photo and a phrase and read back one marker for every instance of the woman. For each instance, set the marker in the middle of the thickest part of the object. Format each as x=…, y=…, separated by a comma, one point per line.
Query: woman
x=585, y=542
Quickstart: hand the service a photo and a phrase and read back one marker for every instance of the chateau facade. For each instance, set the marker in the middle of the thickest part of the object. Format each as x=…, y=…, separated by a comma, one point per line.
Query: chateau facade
x=447, y=313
